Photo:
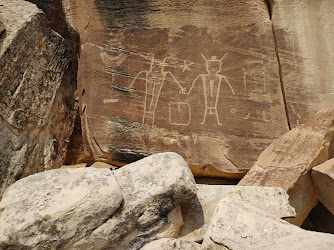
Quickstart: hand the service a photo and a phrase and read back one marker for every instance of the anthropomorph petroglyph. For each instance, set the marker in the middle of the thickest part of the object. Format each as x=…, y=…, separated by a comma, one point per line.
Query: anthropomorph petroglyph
x=211, y=85
x=154, y=80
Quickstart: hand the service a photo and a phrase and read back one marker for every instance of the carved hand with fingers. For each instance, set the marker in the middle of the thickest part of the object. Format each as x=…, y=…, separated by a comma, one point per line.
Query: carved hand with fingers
x=183, y=91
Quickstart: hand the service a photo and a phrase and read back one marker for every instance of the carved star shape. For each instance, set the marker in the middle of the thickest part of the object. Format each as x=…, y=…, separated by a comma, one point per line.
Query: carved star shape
x=186, y=65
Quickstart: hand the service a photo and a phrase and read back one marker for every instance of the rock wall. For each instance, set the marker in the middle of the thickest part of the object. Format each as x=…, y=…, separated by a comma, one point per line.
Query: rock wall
x=196, y=79
x=304, y=39
x=37, y=103
x=215, y=81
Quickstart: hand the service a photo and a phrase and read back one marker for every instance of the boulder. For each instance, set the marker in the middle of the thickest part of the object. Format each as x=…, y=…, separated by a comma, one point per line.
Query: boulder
x=90, y=208
x=172, y=227
x=151, y=188
x=144, y=78
x=240, y=225
x=37, y=108
x=323, y=178
x=171, y=244
x=287, y=162
x=304, y=37
x=54, y=209
x=55, y=15
x=198, y=212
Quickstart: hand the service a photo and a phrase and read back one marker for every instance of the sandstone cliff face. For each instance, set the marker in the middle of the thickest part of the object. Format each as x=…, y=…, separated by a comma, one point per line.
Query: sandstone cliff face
x=200, y=79
x=216, y=81
x=36, y=100
x=304, y=36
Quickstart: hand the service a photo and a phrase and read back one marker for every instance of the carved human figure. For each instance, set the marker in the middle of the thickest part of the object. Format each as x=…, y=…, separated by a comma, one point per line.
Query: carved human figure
x=154, y=80
x=211, y=86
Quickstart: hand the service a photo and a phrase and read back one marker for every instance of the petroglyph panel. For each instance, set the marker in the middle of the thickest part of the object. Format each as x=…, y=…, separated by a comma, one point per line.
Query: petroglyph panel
x=196, y=77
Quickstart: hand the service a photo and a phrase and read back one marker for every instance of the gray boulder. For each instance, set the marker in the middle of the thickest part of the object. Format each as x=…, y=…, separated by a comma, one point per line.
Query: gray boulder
x=53, y=209
x=171, y=244
x=90, y=208
x=198, y=212
x=152, y=188
x=240, y=225
x=37, y=106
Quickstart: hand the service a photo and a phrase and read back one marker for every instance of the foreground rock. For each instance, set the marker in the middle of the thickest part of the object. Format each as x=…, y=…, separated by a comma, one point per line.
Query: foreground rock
x=144, y=81
x=304, y=38
x=287, y=162
x=53, y=209
x=152, y=188
x=36, y=102
x=171, y=244
x=323, y=178
x=74, y=208
x=240, y=225
x=198, y=212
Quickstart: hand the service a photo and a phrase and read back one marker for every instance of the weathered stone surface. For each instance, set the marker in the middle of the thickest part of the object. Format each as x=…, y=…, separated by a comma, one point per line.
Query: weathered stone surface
x=144, y=81
x=36, y=107
x=323, y=178
x=152, y=188
x=304, y=38
x=198, y=212
x=2, y=29
x=72, y=208
x=54, y=13
x=54, y=209
x=171, y=244
x=240, y=225
x=172, y=227
x=169, y=230
x=287, y=162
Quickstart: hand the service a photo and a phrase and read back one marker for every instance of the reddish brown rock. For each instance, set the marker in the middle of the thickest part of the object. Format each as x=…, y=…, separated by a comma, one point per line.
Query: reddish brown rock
x=198, y=78
x=323, y=178
x=75, y=152
x=287, y=162
x=304, y=38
